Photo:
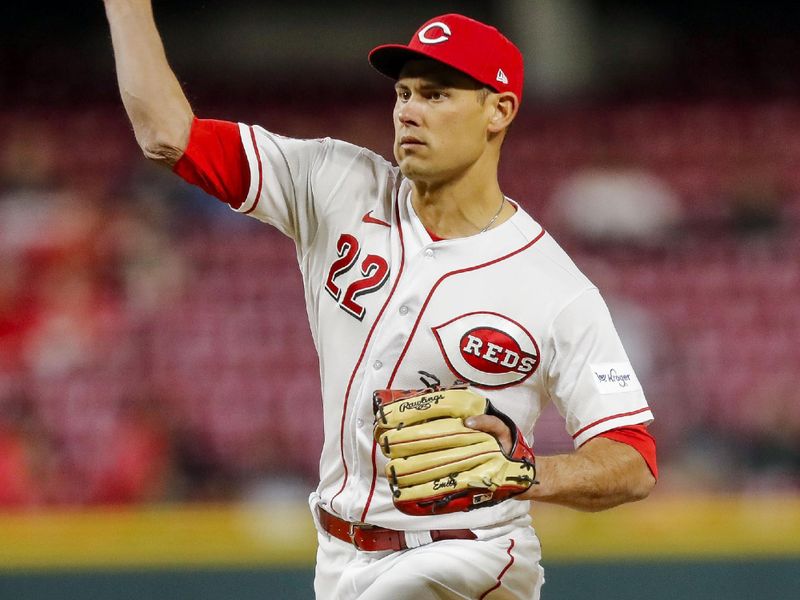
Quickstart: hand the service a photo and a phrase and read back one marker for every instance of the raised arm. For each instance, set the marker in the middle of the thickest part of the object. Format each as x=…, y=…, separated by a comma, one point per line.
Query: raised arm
x=153, y=98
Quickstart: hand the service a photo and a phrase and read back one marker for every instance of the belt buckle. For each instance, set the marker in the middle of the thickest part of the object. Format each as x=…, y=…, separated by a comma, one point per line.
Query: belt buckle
x=352, y=531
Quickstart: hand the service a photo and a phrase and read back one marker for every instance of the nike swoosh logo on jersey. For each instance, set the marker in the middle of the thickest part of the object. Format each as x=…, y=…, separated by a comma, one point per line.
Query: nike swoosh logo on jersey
x=368, y=218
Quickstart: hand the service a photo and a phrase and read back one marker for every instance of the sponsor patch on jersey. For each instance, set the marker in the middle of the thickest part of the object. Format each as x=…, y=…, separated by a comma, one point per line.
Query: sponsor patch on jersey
x=612, y=378
x=488, y=349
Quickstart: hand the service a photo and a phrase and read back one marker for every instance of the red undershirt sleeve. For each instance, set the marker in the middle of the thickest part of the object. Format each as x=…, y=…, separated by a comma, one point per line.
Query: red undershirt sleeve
x=640, y=439
x=215, y=161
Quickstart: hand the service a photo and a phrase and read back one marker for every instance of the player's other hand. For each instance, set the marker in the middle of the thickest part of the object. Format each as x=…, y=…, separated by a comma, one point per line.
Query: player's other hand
x=493, y=426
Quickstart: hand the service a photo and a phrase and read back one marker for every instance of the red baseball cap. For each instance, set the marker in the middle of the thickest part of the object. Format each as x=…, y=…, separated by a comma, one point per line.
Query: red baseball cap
x=472, y=47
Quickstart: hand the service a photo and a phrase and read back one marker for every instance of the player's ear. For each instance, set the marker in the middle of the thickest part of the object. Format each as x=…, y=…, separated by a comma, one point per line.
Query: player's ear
x=504, y=107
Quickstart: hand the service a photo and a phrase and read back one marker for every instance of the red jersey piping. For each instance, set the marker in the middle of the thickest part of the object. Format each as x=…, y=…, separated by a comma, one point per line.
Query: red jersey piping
x=502, y=573
x=361, y=356
x=604, y=419
x=260, y=172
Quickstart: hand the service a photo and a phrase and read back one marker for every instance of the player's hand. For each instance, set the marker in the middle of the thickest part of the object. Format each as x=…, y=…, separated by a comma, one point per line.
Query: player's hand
x=493, y=426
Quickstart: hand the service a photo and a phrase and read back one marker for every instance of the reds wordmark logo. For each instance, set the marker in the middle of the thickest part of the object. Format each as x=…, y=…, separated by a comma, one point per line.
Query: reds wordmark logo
x=488, y=349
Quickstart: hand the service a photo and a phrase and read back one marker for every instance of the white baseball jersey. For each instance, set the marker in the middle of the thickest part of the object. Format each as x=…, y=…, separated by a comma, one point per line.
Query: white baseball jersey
x=505, y=310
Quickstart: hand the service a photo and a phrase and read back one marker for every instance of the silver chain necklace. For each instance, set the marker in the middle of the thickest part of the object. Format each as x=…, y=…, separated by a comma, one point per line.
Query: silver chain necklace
x=494, y=218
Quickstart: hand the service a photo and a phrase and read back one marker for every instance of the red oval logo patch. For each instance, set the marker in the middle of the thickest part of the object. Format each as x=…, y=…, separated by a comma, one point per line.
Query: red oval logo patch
x=487, y=349
x=493, y=351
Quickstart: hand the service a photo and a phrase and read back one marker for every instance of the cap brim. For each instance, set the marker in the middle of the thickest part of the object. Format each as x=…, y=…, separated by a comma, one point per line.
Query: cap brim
x=390, y=58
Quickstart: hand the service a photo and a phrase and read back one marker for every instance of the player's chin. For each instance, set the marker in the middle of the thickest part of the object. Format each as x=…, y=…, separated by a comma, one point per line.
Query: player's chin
x=412, y=168
x=407, y=167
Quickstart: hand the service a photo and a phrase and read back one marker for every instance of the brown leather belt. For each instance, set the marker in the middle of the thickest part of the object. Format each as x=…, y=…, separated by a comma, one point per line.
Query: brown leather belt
x=370, y=538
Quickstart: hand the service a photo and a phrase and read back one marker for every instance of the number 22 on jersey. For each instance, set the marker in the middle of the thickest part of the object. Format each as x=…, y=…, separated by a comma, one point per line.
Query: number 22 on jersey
x=374, y=273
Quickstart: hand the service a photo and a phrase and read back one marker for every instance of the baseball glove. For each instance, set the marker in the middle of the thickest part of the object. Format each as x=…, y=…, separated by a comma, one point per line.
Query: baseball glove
x=438, y=465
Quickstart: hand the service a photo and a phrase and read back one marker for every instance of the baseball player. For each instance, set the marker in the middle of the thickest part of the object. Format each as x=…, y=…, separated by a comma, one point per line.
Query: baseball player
x=445, y=318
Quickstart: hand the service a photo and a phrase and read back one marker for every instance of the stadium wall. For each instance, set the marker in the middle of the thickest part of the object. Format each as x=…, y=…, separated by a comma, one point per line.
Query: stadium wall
x=668, y=547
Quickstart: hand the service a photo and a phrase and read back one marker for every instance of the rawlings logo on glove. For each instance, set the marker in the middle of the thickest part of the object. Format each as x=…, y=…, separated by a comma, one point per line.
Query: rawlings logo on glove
x=424, y=403
x=438, y=465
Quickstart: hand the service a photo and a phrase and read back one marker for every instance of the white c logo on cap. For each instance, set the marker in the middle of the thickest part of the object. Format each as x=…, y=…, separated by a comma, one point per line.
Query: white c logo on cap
x=423, y=33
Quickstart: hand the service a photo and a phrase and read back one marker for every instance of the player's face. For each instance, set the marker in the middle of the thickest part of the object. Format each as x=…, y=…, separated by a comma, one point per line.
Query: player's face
x=440, y=122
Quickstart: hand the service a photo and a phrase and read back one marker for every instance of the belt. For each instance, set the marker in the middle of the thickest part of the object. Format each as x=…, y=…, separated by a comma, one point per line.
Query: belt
x=370, y=538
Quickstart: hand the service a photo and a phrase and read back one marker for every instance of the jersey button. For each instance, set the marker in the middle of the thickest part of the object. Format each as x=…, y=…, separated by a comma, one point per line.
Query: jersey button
x=429, y=253
x=377, y=365
x=360, y=422
x=403, y=310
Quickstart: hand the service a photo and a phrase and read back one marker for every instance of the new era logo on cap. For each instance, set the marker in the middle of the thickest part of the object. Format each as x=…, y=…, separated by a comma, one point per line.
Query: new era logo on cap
x=472, y=47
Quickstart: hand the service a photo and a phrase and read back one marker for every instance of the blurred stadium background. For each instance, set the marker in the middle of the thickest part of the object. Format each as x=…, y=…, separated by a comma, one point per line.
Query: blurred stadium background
x=158, y=383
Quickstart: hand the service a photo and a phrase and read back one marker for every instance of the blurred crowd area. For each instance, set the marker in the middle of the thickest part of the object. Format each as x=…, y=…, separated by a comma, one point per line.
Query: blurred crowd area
x=154, y=345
